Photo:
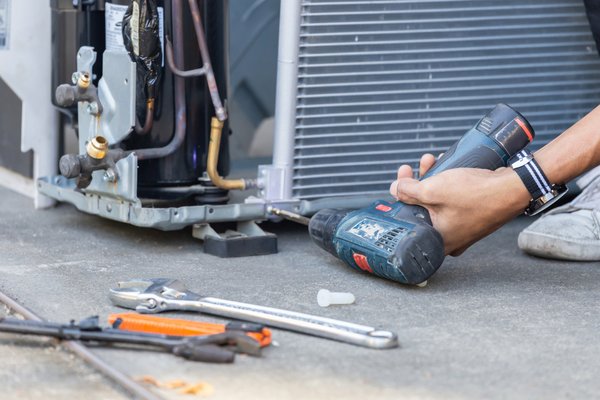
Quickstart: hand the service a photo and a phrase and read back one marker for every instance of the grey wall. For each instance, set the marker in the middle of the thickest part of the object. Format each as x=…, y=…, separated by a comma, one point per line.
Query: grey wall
x=254, y=27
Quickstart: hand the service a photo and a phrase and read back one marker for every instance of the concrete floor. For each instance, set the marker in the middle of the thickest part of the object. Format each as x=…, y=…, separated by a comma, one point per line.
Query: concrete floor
x=491, y=324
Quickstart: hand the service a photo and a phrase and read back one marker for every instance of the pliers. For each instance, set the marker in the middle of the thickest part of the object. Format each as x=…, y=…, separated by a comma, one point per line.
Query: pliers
x=217, y=348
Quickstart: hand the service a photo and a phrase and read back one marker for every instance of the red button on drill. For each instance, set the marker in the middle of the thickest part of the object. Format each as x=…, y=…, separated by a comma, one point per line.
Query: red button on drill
x=383, y=207
x=362, y=262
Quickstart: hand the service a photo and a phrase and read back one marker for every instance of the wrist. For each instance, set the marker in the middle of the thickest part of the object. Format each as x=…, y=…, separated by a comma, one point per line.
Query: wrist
x=515, y=194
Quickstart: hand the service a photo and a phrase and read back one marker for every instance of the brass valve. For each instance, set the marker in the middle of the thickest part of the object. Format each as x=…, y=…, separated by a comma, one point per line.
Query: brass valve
x=97, y=147
x=84, y=80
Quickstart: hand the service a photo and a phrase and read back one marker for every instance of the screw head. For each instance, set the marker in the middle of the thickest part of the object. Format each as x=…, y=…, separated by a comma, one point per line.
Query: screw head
x=110, y=175
x=92, y=108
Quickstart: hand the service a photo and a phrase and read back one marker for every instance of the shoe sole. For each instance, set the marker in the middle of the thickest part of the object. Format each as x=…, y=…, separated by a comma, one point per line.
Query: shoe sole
x=548, y=246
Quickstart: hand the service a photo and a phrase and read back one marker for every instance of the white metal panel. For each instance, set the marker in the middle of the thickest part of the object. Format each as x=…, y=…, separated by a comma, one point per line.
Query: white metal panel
x=26, y=66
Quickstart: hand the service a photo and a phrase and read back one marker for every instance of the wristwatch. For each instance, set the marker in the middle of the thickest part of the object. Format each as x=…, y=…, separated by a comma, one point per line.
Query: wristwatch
x=543, y=193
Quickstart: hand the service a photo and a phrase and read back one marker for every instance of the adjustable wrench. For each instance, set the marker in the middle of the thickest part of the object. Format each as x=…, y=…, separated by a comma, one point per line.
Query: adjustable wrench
x=157, y=295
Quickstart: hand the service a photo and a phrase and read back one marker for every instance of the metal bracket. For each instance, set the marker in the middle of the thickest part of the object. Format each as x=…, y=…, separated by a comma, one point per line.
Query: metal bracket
x=116, y=91
x=274, y=182
x=202, y=231
x=86, y=58
x=121, y=186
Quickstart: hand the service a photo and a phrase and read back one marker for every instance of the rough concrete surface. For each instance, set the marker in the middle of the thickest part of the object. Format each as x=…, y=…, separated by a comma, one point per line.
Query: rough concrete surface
x=492, y=324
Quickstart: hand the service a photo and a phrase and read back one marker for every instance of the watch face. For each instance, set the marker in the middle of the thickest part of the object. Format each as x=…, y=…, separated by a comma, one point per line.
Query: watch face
x=538, y=205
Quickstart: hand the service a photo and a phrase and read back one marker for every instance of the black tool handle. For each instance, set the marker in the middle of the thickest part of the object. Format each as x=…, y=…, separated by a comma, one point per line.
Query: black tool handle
x=199, y=348
x=499, y=135
x=207, y=353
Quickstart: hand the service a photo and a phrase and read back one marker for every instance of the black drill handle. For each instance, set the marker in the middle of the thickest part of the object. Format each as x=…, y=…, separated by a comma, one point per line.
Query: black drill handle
x=485, y=158
x=499, y=135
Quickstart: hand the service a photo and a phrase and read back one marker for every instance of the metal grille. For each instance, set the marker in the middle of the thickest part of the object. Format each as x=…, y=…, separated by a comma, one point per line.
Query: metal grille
x=381, y=82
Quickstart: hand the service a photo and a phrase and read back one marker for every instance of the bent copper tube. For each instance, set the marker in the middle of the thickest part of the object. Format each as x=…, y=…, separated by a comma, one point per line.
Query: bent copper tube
x=142, y=130
x=210, y=76
x=174, y=69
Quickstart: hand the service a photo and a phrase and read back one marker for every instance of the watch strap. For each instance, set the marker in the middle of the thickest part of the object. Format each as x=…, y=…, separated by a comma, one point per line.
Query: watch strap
x=531, y=174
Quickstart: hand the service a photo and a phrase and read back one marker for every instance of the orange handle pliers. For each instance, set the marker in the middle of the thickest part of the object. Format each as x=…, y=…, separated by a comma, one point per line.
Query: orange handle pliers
x=183, y=327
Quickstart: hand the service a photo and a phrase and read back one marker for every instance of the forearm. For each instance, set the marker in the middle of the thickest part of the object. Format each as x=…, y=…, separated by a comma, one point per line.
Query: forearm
x=466, y=204
x=574, y=152
x=569, y=155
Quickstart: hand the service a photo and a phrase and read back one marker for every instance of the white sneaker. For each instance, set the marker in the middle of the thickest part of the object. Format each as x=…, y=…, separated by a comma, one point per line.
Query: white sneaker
x=569, y=232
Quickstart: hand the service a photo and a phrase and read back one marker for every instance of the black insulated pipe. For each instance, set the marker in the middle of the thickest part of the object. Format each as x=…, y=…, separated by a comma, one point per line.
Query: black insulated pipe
x=180, y=104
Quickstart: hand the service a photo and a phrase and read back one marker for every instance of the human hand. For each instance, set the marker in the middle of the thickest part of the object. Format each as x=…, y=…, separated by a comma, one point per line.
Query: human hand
x=465, y=204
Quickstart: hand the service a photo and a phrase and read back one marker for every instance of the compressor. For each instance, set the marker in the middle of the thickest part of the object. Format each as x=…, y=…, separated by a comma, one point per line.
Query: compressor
x=148, y=102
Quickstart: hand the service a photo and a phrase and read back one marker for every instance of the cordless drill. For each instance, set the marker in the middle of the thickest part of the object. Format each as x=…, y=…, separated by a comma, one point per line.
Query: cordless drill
x=397, y=241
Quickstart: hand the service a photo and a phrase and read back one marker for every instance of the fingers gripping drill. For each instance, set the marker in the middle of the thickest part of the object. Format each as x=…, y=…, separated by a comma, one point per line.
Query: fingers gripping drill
x=397, y=241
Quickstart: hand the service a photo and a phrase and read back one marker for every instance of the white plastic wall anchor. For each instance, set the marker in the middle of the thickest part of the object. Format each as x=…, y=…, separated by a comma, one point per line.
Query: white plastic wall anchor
x=326, y=298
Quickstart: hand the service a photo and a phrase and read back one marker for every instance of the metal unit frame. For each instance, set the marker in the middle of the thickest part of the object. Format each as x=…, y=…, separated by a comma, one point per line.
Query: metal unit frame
x=166, y=219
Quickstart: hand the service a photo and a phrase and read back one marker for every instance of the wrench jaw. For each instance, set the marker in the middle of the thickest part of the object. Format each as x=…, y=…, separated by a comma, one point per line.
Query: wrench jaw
x=137, y=293
x=149, y=303
x=150, y=296
x=125, y=297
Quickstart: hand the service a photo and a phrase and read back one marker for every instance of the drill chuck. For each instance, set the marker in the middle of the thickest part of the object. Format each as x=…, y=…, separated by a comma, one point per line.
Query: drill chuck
x=397, y=241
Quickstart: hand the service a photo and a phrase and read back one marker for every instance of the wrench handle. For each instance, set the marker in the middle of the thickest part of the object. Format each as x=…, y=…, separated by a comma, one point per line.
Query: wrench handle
x=360, y=335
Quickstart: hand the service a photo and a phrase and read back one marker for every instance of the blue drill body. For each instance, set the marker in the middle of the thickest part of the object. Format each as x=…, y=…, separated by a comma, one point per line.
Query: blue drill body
x=397, y=241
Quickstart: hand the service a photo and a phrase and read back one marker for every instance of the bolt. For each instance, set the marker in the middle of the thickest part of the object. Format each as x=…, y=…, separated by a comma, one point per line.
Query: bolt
x=110, y=175
x=92, y=108
x=150, y=304
x=108, y=208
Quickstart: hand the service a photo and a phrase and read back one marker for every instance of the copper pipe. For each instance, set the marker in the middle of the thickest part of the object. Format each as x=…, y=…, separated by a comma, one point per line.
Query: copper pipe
x=173, y=67
x=210, y=76
x=142, y=130
x=216, y=129
x=216, y=123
